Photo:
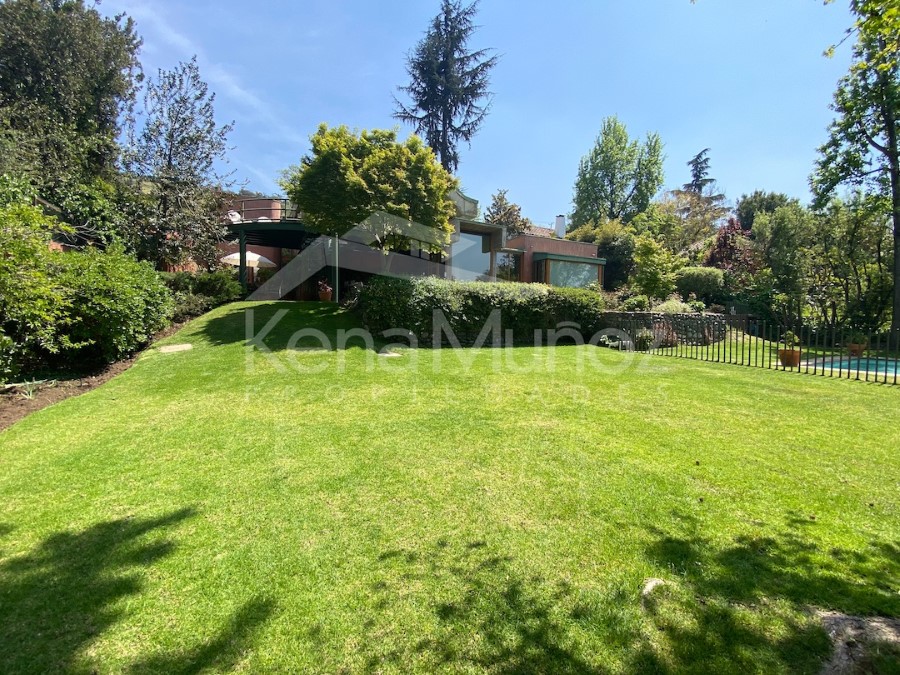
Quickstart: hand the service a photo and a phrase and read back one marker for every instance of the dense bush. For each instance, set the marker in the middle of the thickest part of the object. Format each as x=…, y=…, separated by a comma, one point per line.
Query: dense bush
x=220, y=286
x=411, y=303
x=70, y=309
x=196, y=294
x=673, y=305
x=189, y=305
x=637, y=303
x=33, y=303
x=179, y=282
x=8, y=364
x=116, y=304
x=706, y=283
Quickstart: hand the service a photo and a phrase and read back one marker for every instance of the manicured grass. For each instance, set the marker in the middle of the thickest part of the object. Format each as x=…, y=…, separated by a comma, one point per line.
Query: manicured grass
x=210, y=509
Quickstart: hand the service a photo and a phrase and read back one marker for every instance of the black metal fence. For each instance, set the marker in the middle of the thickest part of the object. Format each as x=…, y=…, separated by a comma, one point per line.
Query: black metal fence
x=823, y=351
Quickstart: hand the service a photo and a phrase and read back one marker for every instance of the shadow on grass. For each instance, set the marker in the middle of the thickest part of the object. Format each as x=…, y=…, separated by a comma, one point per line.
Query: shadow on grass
x=60, y=597
x=486, y=616
x=219, y=654
x=737, y=607
x=55, y=600
x=276, y=323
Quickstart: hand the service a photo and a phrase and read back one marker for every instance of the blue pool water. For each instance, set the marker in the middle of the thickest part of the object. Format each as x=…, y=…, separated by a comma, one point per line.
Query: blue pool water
x=881, y=366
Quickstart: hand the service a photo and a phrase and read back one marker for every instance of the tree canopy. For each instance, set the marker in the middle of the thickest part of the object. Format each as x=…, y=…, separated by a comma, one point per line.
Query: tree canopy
x=448, y=89
x=863, y=148
x=351, y=176
x=619, y=177
x=176, y=153
x=506, y=213
x=66, y=76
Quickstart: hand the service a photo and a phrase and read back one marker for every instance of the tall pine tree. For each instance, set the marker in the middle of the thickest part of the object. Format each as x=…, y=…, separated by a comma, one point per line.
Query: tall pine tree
x=448, y=88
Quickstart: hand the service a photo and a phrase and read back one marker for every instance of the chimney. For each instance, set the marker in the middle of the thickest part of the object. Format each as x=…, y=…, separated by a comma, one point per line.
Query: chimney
x=560, y=226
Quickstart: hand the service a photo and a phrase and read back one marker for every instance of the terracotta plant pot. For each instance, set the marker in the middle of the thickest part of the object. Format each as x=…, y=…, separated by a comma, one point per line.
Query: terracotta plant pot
x=325, y=296
x=790, y=358
x=856, y=349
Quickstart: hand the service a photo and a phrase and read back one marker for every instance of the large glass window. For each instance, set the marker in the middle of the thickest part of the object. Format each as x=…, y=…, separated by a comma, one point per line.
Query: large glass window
x=470, y=257
x=509, y=266
x=572, y=274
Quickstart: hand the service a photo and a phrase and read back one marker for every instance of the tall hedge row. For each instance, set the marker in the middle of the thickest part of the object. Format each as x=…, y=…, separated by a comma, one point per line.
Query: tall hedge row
x=465, y=307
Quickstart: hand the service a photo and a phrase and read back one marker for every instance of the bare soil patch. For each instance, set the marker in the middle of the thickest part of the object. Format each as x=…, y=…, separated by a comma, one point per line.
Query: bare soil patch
x=14, y=405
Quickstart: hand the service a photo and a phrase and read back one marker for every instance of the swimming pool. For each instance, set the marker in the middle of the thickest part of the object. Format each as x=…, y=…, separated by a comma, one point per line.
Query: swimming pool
x=889, y=367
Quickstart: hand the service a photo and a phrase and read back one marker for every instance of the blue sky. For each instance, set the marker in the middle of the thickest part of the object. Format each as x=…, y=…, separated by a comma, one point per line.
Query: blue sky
x=745, y=78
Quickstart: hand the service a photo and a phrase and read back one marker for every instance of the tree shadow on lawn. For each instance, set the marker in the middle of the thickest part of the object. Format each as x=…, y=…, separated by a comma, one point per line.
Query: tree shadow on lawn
x=57, y=599
x=287, y=319
x=737, y=607
x=222, y=652
x=485, y=615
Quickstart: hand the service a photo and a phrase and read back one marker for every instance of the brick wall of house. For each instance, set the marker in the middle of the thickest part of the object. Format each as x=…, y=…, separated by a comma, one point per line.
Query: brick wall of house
x=532, y=244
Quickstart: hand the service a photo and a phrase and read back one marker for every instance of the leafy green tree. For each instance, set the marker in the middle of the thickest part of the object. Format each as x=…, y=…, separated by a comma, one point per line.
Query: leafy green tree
x=618, y=177
x=349, y=177
x=759, y=202
x=879, y=19
x=700, y=181
x=783, y=241
x=699, y=203
x=66, y=75
x=850, y=269
x=173, y=159
x=863, y=149
x=654, y=268
x=507, y=213
x=662, y=221
x=448, y=89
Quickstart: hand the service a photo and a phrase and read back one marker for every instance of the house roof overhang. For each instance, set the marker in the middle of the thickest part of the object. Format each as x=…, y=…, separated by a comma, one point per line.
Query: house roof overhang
x=276, y=233
x=569, y=258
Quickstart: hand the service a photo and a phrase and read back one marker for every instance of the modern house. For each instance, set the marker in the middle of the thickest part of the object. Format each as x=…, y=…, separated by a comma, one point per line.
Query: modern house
x=477, y=251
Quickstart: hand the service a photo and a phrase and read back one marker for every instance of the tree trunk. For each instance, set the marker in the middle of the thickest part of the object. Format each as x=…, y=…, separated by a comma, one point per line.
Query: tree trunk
x=893, y=156
x=895, y=316
x=894, y=161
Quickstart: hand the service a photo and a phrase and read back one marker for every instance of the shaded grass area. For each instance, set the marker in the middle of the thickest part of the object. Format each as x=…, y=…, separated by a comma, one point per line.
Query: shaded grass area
x=332, y=509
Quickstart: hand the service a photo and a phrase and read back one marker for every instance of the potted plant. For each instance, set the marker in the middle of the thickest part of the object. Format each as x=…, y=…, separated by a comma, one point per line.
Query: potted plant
x=857, y=342
x=790, y=355
x=325, y=291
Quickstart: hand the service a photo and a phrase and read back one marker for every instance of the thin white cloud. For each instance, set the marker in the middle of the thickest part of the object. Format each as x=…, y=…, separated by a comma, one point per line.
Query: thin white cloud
x=265, y=180
x=219, y=75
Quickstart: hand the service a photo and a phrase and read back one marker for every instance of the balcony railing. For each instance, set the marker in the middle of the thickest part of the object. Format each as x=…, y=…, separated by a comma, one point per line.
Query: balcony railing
x=262, y=210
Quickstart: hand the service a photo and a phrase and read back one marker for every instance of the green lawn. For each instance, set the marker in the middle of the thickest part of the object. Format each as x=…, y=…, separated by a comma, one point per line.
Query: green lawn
x=209, y=511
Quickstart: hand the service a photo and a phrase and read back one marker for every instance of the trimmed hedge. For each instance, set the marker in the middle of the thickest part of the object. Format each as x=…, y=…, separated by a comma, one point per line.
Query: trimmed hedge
x=411, y=304
x=706, y=283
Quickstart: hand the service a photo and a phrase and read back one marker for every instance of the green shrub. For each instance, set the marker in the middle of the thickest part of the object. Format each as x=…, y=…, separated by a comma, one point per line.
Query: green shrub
x=410, y=304
x=673, y=305
x=221, y=286
x=196, y=294
x=117, y=304
x=9, y=366
x=179, y=282
x=706, y=283
x=637, y=303
x=263, y=274
x=33, y=303
x=189, y=306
